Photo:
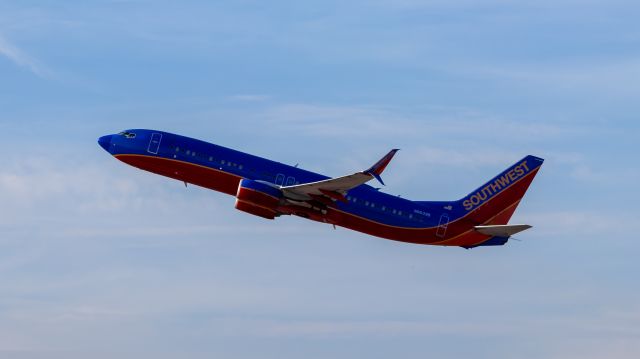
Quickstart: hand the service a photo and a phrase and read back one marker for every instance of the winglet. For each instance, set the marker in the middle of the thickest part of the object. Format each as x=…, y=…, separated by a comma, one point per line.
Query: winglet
x=377, y=169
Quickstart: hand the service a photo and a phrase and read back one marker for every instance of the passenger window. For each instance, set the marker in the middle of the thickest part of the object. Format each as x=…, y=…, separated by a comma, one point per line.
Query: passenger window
x=177, y=149
x=188, y=152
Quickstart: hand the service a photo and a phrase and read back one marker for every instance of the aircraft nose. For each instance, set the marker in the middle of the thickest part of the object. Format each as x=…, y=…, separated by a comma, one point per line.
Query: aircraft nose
x=105, y=142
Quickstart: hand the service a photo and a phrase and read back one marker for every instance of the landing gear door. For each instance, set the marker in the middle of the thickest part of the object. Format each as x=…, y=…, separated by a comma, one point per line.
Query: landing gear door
x=154, y=143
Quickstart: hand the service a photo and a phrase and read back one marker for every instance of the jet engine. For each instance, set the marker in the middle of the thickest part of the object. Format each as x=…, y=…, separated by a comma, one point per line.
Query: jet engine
x=257, y=198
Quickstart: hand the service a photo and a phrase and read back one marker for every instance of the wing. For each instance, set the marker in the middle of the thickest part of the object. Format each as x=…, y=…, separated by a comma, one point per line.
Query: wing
x=329, y=190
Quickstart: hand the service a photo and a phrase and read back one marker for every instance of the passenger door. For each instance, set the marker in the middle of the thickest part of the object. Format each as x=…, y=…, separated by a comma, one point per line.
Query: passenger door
x=154, y=143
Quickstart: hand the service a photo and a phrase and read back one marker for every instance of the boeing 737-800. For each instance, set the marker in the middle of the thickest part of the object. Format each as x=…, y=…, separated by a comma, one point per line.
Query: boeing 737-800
x=271, y=189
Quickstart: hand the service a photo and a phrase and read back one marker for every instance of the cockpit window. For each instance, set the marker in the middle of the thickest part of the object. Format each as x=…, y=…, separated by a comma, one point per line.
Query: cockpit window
x=127, y=134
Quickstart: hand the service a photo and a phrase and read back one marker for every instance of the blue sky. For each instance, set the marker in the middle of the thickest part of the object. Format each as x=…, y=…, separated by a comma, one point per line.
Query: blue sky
x=99, y=259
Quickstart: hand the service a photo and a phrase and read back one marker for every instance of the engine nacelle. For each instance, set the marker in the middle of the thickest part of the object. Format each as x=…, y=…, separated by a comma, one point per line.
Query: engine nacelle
x=257, y=198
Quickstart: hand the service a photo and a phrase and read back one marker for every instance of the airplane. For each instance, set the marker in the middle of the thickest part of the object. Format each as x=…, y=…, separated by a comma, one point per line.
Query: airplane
x=270, y=189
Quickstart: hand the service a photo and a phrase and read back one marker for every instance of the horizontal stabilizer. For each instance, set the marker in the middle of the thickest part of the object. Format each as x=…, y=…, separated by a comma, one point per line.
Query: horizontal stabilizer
x=503, y=230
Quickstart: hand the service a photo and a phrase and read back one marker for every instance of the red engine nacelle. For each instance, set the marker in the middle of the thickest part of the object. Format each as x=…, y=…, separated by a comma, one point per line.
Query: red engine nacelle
x=258, y=198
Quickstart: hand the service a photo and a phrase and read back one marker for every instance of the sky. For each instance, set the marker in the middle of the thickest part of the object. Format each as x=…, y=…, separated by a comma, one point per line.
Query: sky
x=101, y=260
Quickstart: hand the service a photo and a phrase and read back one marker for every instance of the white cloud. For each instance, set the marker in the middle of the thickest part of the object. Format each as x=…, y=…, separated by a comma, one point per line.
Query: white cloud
x=580, y=224
x=20, y=58
x=609, y=78
x=583, y=172
x=372, y=327
x=428, y=123
x=429, y=156
x=249, y=98
x=37, y=180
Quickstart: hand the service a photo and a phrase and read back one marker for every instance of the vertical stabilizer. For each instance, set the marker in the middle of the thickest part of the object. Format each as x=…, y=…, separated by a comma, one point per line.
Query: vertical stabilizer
x=494, y=202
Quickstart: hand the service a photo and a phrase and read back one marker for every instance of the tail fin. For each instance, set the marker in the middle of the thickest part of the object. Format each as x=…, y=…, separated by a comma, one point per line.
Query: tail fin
x=494, y=202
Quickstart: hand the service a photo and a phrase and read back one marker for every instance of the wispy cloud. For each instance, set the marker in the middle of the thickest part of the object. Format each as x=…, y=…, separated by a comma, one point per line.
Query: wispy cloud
x=424, y=122
x=580, y=224
x=249, y=97
x=38, y=180
x=605, y=77
x=22, y=59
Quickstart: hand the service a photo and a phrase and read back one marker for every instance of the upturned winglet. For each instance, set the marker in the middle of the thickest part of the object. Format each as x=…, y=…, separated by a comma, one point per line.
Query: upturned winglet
x=377, y=169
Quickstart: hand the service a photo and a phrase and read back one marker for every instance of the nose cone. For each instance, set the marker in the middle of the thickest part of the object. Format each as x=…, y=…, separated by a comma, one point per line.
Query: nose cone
x=105, y=142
